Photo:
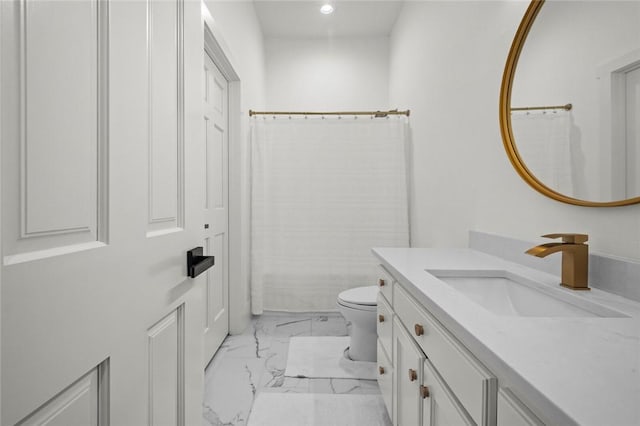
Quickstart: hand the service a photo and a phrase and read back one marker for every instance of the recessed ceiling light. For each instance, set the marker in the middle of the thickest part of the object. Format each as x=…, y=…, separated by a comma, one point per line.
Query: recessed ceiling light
x=326, y=9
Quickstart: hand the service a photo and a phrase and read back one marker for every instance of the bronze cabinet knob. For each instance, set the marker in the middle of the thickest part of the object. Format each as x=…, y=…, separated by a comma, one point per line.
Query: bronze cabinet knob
x=381, y=370
x=381, y=282
x=380, y=318
x=424, y=391
x=418, y=329
x=413, y=374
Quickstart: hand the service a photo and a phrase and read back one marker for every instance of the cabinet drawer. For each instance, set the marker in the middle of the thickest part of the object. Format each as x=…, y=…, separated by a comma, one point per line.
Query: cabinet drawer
x=407, y=372
x=473, y=385
x=440, y=407
x=385, y=379
x=385, y=283
x=512, y=412
x=385, y=325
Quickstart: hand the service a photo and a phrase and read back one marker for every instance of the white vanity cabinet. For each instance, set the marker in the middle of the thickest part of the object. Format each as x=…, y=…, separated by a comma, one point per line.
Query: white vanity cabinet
x=436, y=380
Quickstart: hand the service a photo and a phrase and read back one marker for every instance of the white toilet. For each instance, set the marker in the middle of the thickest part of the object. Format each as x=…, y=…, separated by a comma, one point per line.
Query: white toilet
x=358, y=306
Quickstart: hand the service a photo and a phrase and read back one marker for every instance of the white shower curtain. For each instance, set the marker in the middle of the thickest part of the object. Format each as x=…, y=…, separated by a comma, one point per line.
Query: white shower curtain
x=544, y=144
x=324, y=192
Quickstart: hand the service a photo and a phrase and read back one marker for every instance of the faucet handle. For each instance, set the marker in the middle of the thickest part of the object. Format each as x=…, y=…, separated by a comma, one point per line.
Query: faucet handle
x=570, y=238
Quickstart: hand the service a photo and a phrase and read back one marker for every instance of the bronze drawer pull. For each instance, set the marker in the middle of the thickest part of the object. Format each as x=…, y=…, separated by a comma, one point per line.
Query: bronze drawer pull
x=424, y=391
x=381, y=282
x=381, y=370
x=413, y=374
x=380, y=318
x=418, y=329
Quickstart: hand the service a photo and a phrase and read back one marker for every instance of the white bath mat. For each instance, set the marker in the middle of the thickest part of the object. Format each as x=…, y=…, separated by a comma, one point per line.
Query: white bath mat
x=323, y=357
x=308, y=409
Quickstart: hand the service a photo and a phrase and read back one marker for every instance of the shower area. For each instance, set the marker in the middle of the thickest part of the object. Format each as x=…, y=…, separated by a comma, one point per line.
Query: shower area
x=325, y=189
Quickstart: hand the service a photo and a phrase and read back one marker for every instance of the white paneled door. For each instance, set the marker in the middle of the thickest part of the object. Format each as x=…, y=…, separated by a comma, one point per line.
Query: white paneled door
x=101, y=169
x=216, y=209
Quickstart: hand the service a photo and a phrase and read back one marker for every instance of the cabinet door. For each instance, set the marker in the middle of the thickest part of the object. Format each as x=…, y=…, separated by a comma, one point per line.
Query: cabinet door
x=408, y=359
x=385, y=283
x=512, y=412
x=385, y=325
x=440, y=407
x=385, y=379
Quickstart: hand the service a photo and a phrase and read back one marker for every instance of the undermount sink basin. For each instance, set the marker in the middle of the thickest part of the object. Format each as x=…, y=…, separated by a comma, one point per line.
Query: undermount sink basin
x=507, y=294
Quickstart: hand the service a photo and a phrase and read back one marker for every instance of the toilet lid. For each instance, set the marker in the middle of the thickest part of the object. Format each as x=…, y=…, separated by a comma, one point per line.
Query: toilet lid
x=360, y=295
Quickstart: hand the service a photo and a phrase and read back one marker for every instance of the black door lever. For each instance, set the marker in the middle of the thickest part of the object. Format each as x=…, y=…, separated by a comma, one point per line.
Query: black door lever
x=197, y=263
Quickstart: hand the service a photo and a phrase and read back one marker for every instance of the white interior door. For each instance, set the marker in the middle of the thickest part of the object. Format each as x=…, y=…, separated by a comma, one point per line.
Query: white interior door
x=101, y=183
x=216, y=209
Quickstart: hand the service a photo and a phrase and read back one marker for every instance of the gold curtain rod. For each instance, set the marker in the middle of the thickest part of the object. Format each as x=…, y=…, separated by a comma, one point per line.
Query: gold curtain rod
x=566, y=107
x=374, y=113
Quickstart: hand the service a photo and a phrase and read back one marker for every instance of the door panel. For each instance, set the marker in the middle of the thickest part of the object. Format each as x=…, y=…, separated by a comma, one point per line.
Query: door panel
x=166, y=382
x=81, y=163
x=217, y=294
x=53, y=198
x=165, y=138
x=216, y=205
x=217, y=168
x=76, y=405
x=57, y=163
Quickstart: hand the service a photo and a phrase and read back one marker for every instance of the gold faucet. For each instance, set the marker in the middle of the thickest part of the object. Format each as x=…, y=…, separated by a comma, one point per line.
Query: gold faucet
x=575, y=258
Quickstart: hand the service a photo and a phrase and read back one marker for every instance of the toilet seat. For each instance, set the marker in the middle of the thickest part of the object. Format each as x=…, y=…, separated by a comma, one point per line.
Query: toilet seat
x=360, y=298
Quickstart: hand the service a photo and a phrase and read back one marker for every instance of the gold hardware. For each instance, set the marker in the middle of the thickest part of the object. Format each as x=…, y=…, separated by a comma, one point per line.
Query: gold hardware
x=575, y=258
x=381, y=370
x=413, y=375
x=374, y=113
x=567, y=107
x=506, y=129
x=380, y=318
x=419, y=330
x=569, y=238
x=424, y=391
x=381, y=282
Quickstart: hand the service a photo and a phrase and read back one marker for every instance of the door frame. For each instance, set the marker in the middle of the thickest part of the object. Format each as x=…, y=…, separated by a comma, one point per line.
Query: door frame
x=238, y=296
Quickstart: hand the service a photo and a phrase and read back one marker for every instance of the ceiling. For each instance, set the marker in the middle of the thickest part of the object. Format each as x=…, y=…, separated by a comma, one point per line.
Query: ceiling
x=351, y=18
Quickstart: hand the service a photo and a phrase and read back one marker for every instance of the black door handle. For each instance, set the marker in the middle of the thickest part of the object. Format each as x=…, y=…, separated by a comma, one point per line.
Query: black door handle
x=197, y=263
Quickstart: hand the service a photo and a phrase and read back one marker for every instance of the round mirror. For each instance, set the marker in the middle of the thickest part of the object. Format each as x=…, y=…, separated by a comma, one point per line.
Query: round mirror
x=570, y=101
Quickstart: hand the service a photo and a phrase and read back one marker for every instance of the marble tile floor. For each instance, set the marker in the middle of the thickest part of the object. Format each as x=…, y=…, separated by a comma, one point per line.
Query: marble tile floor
x=255, y=360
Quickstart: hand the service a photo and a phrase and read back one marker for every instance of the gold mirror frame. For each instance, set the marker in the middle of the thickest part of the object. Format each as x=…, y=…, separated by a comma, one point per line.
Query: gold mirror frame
x=505, y=118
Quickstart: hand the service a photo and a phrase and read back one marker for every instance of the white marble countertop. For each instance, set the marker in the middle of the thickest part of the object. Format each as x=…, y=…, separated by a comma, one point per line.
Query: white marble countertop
x=582, y=371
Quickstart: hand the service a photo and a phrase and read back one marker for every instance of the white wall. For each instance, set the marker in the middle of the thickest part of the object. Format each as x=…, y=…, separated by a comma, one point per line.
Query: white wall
x=447, y=60
x=328, y=74
x=237, y=29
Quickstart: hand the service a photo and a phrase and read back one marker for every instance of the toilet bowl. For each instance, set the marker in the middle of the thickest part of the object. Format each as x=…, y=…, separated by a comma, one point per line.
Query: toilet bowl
x=358, y=306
